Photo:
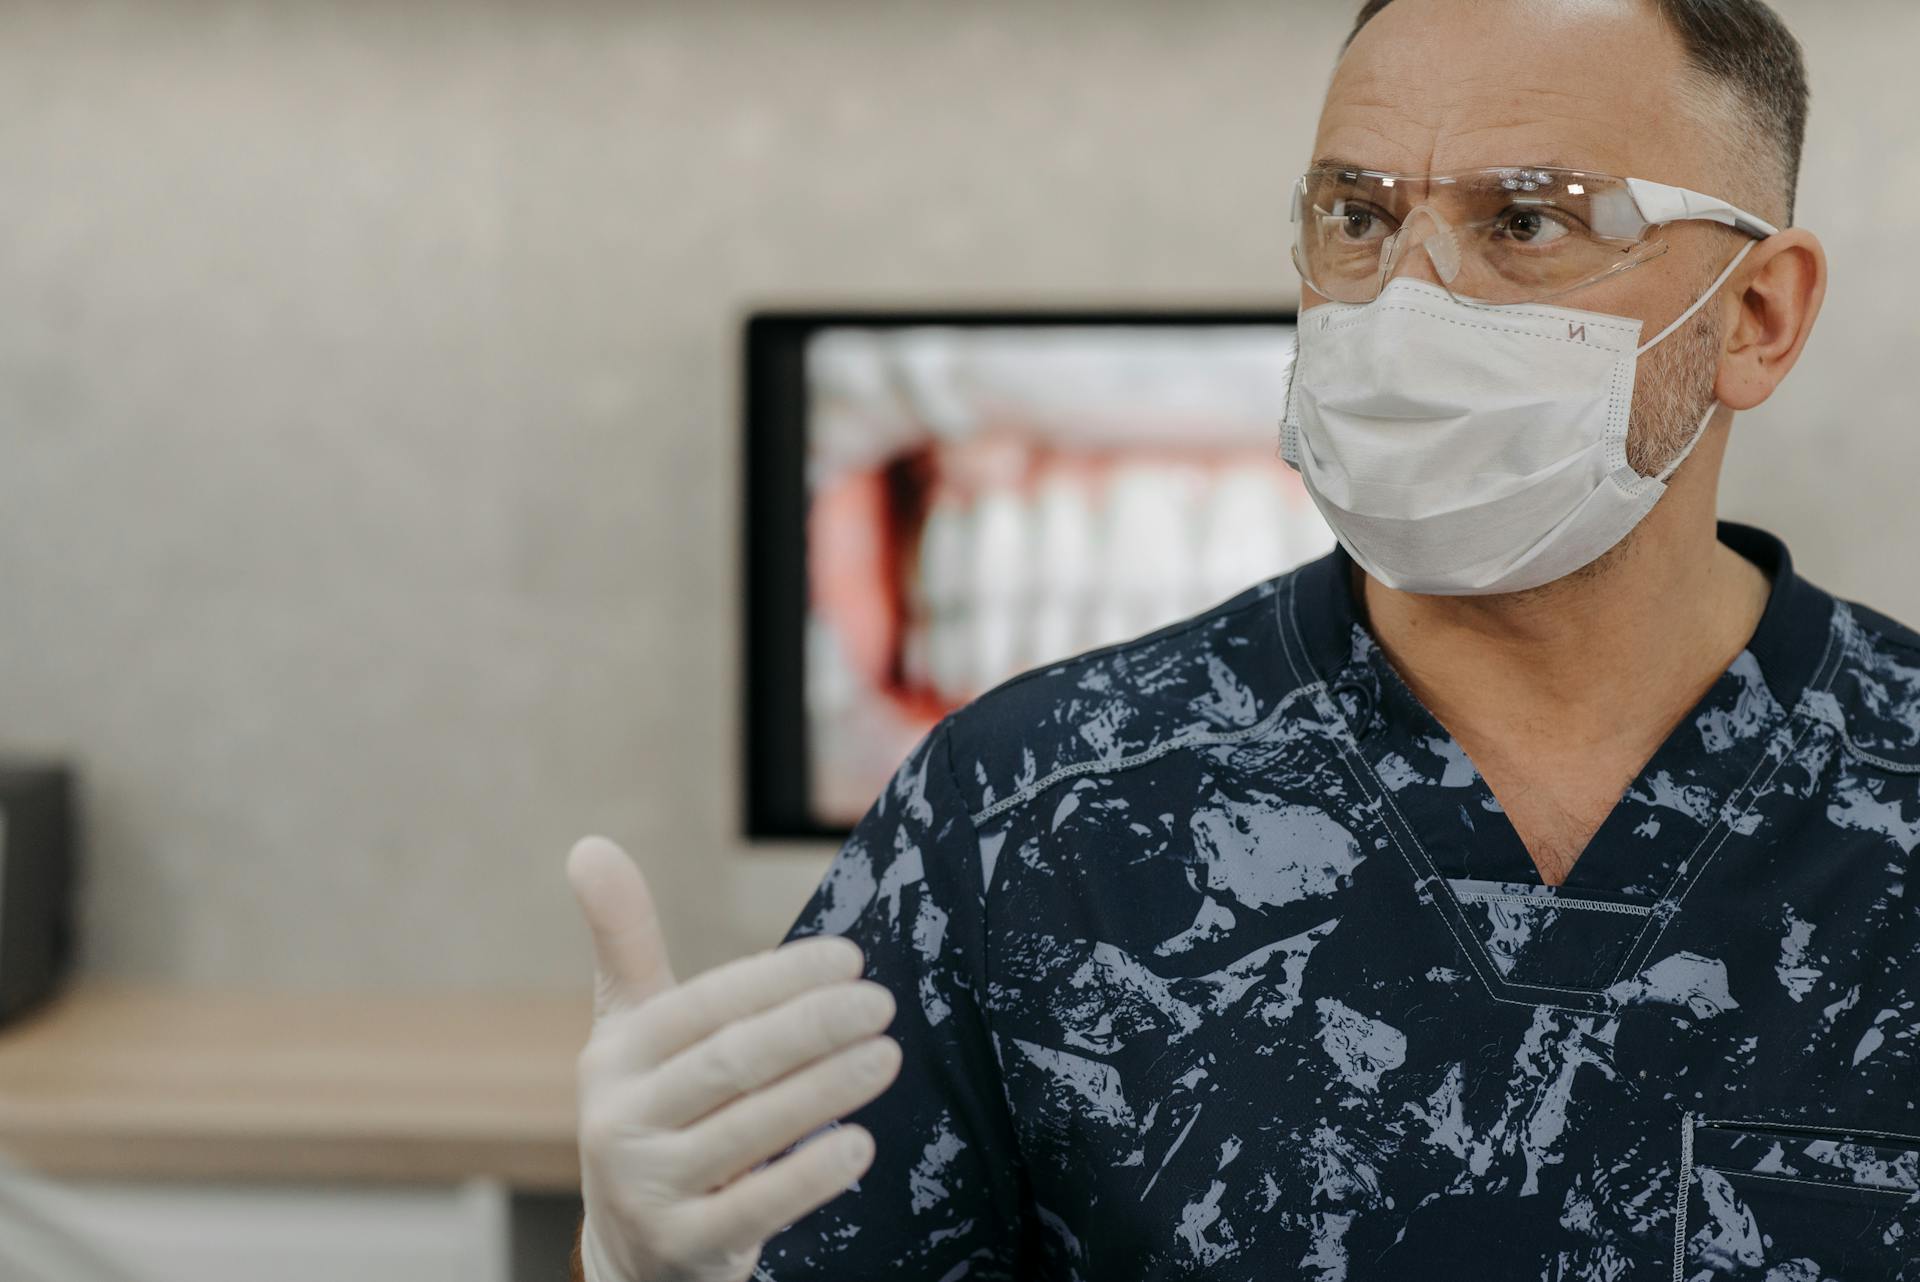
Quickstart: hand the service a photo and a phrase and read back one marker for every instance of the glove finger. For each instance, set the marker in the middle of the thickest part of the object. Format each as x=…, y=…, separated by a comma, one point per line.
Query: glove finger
x=753, y=1052
x=744, y=1214
x=629, y=950
x=741, y=988
x=755, y=1127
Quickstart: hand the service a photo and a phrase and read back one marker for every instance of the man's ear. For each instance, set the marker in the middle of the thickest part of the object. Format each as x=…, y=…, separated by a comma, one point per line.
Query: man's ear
x=1786, y=281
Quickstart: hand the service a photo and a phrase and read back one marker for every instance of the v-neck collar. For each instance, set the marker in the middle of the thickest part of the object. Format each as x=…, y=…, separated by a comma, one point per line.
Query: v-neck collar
x=1573, y=944
x=1677, y=795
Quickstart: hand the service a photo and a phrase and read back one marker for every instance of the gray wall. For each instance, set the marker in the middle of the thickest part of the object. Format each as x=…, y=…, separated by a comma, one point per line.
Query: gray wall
x=367, y=486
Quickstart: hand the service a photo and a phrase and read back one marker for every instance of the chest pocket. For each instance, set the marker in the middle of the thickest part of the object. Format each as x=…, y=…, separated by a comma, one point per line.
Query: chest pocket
x=1771, y=1201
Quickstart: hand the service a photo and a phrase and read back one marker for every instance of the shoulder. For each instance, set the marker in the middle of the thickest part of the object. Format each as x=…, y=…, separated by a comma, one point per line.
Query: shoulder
x=1877, y=686
x=1213, y=676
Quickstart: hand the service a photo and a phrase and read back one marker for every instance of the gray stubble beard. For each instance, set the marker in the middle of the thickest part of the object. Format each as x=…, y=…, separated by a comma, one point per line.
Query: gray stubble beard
x=1675, y=388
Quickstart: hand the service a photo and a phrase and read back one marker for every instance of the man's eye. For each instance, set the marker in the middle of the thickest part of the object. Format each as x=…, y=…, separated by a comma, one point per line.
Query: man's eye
x=1356, y=223
x=1529, y=225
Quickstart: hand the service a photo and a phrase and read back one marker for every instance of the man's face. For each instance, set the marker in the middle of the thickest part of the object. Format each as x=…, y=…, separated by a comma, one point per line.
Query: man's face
x=1431, y=86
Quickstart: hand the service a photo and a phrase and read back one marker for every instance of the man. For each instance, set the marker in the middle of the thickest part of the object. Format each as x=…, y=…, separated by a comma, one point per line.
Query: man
x=1517, y=892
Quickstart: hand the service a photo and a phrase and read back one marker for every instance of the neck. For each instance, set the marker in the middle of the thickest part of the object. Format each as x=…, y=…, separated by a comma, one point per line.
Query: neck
x=1613, y=653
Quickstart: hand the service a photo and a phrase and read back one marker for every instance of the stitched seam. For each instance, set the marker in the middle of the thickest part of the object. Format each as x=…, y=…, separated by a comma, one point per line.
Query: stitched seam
x=1839, y=720
x=1474, y=958
x=1844, y=1185
x=1611, y=324
x=1360, y=317
x=1350, y=750
x=1885, y=763
x=1719, y=828
x=1291, y=636
x=1281, y=622
x=1619, y=411
x=1755, y=1123
x=1801, y=710
x=1680, y=1198
x=1725, y=831
x=1119, y=764
x=1549, y=901
x=1492, y=329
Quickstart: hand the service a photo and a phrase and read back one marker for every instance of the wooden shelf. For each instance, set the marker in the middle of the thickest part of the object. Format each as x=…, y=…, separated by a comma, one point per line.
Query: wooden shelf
x=125, y=1082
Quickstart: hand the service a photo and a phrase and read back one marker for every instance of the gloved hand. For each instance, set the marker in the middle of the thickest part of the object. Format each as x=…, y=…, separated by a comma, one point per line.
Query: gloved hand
x=685, y=1088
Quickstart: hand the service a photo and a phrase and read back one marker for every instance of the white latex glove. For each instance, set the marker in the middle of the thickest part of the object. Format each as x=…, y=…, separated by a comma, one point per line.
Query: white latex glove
x=685, y=1088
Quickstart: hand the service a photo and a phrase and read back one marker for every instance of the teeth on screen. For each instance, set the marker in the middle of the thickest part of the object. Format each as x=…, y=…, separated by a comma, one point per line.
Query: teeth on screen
x=1064, y=537
x=944, y=553
x=1063, y=554
x=914, y=672
x=1241, y=532
x=1147, y=555
x=1017, y=576
x=1001, y=554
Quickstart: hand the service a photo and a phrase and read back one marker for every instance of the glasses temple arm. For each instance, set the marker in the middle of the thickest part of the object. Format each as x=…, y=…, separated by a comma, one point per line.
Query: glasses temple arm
x=1661, y=203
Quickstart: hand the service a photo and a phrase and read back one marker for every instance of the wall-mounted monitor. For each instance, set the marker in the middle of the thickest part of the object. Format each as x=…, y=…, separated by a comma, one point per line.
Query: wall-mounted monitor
x=938, y=501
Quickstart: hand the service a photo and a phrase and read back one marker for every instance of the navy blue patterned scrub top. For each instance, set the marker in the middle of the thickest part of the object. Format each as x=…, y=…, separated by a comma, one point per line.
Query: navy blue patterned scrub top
x=1216, y=958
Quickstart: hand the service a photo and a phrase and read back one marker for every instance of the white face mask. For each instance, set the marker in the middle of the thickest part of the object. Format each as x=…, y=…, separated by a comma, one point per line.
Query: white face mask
x=1461, y=448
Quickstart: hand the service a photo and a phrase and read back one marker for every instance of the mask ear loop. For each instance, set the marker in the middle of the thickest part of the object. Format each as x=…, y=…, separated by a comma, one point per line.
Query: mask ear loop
x=1698, y=303
x=1698, y=432
x=1714, y=405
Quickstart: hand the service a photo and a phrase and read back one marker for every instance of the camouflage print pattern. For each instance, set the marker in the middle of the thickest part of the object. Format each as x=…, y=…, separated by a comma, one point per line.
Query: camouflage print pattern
x=1217, y=959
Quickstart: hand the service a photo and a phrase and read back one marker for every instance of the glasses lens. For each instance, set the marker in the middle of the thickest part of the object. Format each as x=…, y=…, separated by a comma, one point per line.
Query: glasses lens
x=1503, y=235
x=1345, y=217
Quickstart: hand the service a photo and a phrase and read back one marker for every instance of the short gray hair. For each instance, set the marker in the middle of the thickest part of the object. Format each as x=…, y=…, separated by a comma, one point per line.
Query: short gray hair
x=1743, y=51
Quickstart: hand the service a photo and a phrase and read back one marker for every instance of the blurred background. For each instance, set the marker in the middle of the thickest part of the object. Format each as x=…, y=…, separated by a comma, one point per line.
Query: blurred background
x=371, y=513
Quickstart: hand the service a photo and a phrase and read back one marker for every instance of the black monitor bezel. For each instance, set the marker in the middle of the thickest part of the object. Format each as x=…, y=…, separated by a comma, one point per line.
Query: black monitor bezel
x=773, y=729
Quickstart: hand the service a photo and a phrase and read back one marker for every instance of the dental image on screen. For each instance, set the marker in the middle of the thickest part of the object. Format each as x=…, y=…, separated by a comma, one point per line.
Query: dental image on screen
x=982, y=501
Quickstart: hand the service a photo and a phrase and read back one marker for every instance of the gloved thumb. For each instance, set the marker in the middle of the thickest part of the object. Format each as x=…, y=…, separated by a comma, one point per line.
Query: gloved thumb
x=629, y=951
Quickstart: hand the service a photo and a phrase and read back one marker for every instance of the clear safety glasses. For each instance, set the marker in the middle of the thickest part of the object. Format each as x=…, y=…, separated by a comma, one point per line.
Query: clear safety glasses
x=1504, y=234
